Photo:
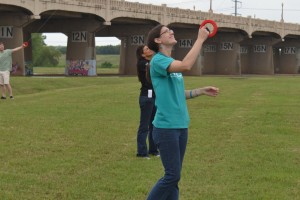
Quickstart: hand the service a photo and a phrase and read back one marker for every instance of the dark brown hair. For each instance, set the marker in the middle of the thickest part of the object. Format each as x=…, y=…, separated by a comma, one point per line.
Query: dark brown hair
x=139, y=57
x=154, y=33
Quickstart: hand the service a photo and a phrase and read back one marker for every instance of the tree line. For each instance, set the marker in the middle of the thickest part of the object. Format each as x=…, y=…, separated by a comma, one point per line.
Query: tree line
x=103, y=50
x=43, y=55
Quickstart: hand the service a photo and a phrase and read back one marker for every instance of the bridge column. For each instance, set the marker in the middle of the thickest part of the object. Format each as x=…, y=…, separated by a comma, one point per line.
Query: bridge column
x=129, y=43
x=185, y=40
x=245, y=59
x=12, y=37
x=81, y=54
x=222, y=54
x=287, y=57
x=259, y=55
x=209, y=54
x=127, y=56
x=28, y=54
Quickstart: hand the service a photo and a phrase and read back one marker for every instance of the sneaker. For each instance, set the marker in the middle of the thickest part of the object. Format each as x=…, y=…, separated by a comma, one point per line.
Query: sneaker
x=3, y=97
x=11, y=97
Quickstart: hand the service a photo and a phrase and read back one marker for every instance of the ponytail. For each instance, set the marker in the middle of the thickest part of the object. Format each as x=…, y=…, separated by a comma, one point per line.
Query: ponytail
x=148, y=77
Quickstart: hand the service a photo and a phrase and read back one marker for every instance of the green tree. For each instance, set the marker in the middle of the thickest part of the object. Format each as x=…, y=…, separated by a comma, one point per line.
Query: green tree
x=62, y=49
x=108, y=50
x=43, y=55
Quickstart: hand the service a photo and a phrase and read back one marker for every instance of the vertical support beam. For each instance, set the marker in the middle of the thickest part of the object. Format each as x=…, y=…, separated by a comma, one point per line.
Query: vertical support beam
x=185, y=40
x=28, y=54
x=286, y=57
x=12, y=37
x=245, y=59
x=260, y=54
x=128, y=53
x=222, y=54
x=228, y=60
x=123, y=56
x=81, y=54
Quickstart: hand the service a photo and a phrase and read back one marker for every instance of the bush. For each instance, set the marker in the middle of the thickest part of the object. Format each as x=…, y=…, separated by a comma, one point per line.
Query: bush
x=106, y=65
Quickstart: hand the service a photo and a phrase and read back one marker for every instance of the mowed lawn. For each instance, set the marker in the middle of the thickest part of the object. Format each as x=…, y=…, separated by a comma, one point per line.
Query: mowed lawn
x=100, y=59
x=72, y=138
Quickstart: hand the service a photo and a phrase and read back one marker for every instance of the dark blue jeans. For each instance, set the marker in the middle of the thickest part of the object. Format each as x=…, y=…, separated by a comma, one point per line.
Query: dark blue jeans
x=171, y=144
x=148, y=109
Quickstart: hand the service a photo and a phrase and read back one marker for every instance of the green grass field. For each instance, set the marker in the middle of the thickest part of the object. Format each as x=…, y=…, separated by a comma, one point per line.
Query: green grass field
x=72, y=138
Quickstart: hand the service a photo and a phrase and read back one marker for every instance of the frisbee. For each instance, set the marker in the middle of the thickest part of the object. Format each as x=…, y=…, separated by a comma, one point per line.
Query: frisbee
x=25, y=44
x=213, y=23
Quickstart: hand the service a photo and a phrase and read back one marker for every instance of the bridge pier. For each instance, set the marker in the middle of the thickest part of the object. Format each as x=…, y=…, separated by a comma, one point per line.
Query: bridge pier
x=81, y=54
x=28, y=54
x=185, y=40
x=259, y=55
x=287, y=57
x=227, y=60
x=127, y=55
x=11, y=34
x=222, y=54
x=131, y=37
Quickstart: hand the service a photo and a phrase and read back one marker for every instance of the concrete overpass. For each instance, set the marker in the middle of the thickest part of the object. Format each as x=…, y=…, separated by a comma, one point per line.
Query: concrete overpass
x=243, y=45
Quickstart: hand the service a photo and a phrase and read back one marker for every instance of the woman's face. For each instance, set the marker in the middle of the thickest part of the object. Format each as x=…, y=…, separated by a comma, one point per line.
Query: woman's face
x=167, y=36
x=147, y=52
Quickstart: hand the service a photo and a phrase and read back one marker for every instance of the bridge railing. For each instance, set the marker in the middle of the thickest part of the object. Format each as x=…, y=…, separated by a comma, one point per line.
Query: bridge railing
x=174, y=14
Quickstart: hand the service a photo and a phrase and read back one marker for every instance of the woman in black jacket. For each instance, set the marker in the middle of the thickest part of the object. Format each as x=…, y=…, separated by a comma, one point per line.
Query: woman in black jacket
x=147, y=105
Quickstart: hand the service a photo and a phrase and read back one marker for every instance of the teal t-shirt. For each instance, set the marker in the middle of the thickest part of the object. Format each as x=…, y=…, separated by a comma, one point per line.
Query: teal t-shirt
x=5, y=60
x=170, y=96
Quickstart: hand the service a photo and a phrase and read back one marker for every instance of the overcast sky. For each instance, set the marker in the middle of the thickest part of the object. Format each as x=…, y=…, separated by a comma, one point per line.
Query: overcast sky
x=262, y=9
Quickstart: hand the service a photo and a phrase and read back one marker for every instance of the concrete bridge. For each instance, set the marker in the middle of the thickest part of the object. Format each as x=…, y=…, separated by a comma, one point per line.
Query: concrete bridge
x=243, y=45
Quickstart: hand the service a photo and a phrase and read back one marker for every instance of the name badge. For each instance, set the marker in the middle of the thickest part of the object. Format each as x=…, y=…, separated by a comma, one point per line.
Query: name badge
x=149, y=93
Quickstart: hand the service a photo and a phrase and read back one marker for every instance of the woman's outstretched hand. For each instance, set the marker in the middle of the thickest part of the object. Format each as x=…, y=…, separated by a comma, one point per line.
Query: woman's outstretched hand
x=210, y=91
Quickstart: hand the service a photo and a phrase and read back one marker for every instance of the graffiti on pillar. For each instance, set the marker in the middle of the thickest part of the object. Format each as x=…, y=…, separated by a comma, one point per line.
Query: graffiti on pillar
x=81, y=67
x=14, y=68
x=28, y=68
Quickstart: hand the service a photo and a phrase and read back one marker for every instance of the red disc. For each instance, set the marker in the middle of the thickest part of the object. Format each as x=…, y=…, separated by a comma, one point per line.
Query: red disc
x=25, y=44
x=213, y=23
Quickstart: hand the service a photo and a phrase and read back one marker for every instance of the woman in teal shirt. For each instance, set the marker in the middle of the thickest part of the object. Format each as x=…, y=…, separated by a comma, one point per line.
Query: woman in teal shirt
x=170, y=131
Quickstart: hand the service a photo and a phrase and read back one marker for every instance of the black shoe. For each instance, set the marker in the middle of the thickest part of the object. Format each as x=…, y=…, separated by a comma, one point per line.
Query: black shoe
x=11, y=97
x=3, y=97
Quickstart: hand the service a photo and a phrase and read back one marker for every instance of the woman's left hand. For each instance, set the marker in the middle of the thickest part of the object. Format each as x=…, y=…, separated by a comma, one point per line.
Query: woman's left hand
x=210, y=91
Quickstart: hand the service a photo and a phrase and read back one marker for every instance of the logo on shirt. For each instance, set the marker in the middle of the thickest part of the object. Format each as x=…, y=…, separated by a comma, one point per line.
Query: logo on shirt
x=176, y=75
